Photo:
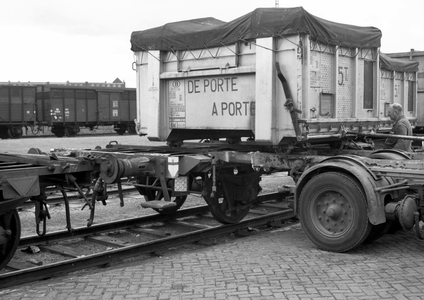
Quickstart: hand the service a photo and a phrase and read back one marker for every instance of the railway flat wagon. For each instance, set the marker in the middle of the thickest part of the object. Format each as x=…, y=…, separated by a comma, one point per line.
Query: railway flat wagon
x=66, y=109
x=279, y=76
x=17, y=106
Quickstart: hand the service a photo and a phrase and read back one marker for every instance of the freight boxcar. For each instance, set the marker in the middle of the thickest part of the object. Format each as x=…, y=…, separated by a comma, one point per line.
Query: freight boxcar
x=205, y=78
x=17, y=106
x=66, y=109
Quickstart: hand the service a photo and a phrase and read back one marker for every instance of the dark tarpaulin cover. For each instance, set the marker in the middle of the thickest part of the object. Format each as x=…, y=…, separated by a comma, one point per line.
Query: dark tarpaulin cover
x=396, y=64
x=260, y=23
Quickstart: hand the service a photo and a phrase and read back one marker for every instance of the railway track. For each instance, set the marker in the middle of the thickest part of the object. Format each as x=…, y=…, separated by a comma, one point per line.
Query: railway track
x=118, y=240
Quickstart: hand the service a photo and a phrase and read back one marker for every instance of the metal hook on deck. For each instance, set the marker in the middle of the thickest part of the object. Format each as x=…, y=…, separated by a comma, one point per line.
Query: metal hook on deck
x=41, y=215
x=212, y=195
x=67, y=210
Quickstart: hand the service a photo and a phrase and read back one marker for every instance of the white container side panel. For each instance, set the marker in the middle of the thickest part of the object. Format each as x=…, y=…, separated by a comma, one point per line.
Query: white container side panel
x=321, y=85
x=345, y=87
x=412, y=95
x=386, y=91
x=212, y=102
x=398, y=87
x=368, y=80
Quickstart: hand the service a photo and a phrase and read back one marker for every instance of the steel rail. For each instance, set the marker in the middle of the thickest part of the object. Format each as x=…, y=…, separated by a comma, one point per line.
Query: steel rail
x=126, y=223
x=75, y=264
x=105, y=227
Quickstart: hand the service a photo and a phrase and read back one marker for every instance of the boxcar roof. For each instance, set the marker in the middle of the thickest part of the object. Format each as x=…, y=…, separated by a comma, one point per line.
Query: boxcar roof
x=260, y=23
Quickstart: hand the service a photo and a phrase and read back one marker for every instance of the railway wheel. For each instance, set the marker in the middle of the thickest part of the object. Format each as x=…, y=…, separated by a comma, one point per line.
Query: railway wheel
x=333, y=212
x=157, y=195
x=72, y=131
x=10, y=233
x=120, y=129
x=15, y=132
x=4, y=132
x=131, y=129
x=58, y=131
x=233, y=197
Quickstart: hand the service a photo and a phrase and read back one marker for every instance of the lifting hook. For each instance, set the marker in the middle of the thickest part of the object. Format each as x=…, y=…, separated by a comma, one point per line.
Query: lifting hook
x=41, y=214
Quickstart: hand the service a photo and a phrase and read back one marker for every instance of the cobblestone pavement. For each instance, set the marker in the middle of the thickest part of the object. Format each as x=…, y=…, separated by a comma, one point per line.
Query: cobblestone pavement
x=281, y=264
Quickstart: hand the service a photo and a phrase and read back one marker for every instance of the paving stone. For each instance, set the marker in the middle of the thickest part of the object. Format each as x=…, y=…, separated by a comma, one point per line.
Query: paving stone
x=268, y=265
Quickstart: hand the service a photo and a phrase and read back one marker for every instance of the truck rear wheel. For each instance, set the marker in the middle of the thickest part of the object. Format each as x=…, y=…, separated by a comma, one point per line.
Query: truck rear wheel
x=333, y=212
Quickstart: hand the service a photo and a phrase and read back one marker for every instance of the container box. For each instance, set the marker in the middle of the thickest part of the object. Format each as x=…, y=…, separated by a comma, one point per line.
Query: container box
x=205, y=78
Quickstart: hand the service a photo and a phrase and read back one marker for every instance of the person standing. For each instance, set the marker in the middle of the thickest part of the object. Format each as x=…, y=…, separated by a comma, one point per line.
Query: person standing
x=400, y=127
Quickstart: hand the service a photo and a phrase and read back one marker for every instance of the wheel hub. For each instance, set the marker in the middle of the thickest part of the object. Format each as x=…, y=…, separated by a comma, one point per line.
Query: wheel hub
x=332, y=213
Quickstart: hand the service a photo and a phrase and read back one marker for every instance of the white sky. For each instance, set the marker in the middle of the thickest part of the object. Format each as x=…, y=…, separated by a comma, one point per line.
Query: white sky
x=75, y=40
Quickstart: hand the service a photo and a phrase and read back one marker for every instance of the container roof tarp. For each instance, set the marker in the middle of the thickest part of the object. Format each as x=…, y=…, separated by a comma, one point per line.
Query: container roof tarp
x=260, y=23
x=397, y=64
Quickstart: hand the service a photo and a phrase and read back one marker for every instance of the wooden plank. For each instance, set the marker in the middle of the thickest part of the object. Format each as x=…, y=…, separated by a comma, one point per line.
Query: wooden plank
x=191, y=225
x=19, y=265
x=155, y=232
x=258, y=212
x=60, y=249
x=108, y=241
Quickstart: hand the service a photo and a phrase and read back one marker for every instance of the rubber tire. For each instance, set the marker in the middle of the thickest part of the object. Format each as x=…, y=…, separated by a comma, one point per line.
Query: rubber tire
x=316, y=193
x=377, y=231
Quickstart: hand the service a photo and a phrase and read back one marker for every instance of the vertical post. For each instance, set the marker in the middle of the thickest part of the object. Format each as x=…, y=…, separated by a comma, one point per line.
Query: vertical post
x=335, y=81
x=355, y=85
x=153, y=95
x=265, y=90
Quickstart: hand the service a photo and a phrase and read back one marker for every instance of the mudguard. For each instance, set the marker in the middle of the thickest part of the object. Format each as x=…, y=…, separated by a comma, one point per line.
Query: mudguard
x=353, y=166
